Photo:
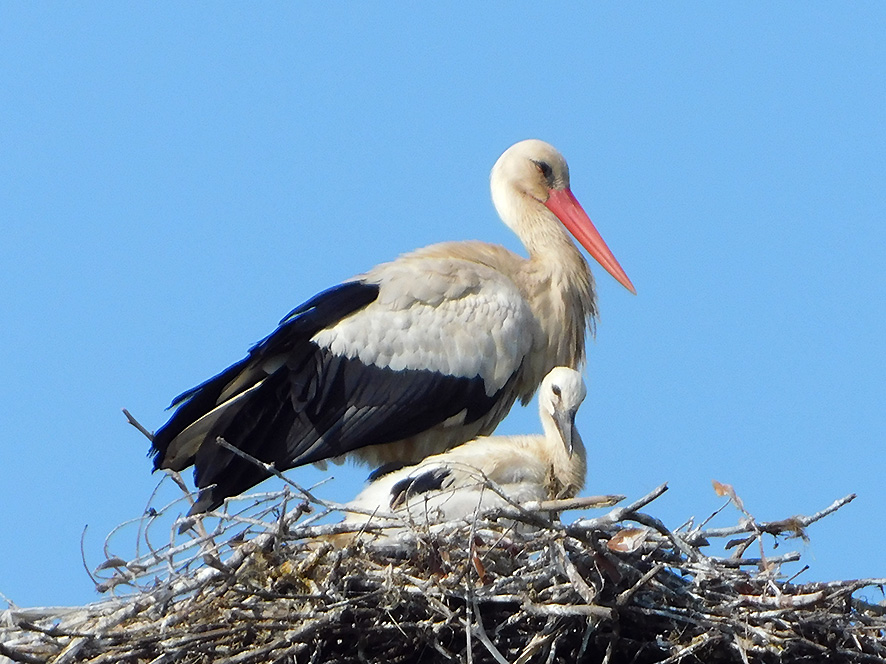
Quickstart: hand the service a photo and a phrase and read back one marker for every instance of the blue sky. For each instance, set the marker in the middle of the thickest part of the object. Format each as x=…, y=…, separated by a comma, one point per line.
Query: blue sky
x=175, y=178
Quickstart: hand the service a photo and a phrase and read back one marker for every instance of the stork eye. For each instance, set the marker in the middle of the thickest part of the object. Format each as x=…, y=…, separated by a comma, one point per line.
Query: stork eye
x=556, y=390
x=545, y=169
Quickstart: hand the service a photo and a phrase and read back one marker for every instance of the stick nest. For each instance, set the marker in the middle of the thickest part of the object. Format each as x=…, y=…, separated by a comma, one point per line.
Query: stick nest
x=267, y=584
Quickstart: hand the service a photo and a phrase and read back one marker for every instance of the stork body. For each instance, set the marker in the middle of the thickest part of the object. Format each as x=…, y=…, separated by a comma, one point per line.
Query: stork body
x=459, y=483
x=411, y=358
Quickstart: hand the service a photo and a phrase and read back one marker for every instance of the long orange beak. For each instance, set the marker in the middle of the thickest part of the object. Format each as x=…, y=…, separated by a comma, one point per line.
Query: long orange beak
x=568, y=210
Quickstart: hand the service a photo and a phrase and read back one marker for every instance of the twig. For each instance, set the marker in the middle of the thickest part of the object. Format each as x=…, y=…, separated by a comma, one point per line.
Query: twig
x=790, y=557
x=17, y=656
x=771, y=527
x=484, y=637
x=83, y=557
x=572, y=503
x=617, y=514
x=134, y=422
x=625, y=596
x=570, y=610
x=676, y=540
x=581, y=586
x=268, y=467
x=697, y=644
x=538, y=642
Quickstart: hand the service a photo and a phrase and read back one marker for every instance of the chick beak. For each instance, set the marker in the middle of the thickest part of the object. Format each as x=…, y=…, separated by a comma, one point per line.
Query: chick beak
x=565, y=423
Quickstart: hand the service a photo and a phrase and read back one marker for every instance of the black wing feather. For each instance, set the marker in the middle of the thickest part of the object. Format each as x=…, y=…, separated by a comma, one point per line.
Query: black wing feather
x=408, y=487
x=295, y=330
x=341, y=405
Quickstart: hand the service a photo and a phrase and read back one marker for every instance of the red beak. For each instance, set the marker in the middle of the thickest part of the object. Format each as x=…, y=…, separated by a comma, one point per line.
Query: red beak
x=568, y=210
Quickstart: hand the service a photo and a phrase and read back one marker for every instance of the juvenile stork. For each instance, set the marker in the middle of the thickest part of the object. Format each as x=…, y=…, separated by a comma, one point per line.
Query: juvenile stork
x=458, y=483
x=410, y=358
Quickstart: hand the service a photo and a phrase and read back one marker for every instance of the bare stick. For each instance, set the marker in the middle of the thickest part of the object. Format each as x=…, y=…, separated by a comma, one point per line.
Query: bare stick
x=134, y=422
x=676, y=540
x=536, y=512
x=586, y=592
x=771, y=527
x=83, y=557
x=700, y=642
x=484, y=638
x=625, y=596
x=269, y=467
x=618, y=514
x=791, y=557
x=564, y=504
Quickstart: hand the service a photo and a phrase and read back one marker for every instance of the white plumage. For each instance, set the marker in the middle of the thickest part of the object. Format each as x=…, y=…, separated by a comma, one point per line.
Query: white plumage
x=467, y=479
x=427, y=316
x=411, y=358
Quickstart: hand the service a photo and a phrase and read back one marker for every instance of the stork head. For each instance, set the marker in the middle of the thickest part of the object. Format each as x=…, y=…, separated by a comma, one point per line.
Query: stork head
x=530, y=179
x=532, y=168
x=562, y=392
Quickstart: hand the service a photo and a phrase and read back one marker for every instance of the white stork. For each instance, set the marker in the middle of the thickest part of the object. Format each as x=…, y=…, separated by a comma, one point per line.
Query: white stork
x=456, y=484
x=410, y=358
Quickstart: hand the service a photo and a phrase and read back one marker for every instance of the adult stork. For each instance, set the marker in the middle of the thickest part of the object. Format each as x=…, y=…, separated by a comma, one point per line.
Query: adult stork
x=410, y=358
x=490, y=471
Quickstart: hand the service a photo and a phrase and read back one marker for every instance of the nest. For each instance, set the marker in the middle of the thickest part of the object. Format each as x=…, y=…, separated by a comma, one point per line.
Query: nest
x=272, y=583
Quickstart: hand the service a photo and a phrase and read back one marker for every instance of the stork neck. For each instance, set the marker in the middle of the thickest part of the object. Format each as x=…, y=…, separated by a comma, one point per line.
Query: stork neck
x=546, y=239
x=555, y=259
x=567, y=472
x=560, y=289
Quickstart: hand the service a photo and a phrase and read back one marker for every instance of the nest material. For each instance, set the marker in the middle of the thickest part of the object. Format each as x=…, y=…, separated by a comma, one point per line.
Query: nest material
x=515, y=585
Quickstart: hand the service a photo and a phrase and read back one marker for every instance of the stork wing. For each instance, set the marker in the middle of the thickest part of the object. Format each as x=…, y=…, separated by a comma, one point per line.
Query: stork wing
x=373, y=361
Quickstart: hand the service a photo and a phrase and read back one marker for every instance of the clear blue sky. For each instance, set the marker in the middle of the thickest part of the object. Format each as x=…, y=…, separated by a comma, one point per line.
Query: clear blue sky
x=176, y=177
